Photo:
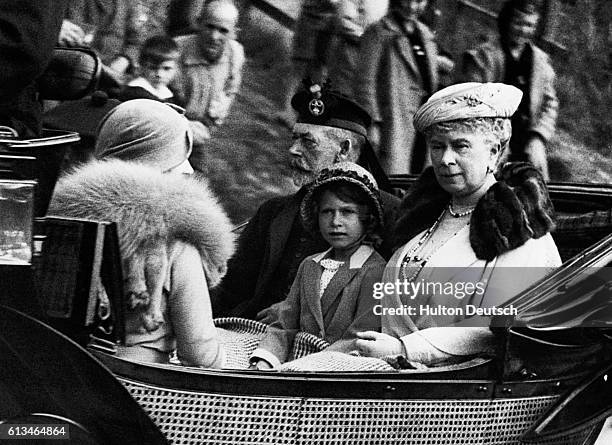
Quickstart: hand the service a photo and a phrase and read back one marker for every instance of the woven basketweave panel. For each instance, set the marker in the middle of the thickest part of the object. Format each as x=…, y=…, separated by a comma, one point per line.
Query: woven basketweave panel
x=195, y=418
x=423, y=422
x=188, y=418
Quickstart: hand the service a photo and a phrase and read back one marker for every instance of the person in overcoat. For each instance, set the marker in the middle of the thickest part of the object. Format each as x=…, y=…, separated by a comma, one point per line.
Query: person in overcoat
x=398, y=73
x=514, y=59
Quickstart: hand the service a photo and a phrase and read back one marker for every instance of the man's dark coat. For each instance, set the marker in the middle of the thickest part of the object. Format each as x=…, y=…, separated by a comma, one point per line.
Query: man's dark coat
x=246, y=288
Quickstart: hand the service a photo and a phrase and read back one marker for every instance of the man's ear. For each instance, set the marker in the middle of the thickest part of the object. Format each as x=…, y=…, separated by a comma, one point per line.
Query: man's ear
x=345, y=150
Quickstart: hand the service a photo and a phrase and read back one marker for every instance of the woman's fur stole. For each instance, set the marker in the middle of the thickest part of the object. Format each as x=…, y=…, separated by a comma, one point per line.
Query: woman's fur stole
x=513, y=210
x=152, y=211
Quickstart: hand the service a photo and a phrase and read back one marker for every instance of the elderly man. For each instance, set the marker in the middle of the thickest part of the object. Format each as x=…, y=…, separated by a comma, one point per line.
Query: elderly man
x=210, y=68
x=330, y=129
x=515, y=60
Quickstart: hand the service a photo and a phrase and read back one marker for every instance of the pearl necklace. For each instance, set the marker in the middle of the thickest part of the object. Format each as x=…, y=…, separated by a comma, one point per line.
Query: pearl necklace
x=458, y=214
x=412, y=256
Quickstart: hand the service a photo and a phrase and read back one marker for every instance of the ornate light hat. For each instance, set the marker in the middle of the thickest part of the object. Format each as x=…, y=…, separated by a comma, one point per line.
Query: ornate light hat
x=467, y=101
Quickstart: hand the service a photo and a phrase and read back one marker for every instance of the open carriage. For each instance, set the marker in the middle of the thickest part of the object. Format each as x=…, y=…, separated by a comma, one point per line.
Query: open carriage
x=542, y=388
x=545, y=387
x=477, y=402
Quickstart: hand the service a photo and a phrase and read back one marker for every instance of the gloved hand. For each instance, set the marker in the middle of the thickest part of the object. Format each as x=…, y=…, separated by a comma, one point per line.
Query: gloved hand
x=377, y=344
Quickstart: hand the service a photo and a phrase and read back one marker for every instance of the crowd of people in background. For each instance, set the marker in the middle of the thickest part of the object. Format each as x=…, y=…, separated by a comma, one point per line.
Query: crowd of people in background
x=379, y=53
x=382, y=55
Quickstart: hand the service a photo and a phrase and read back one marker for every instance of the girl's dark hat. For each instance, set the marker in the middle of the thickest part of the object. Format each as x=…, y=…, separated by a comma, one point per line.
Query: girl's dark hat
x=348, y=173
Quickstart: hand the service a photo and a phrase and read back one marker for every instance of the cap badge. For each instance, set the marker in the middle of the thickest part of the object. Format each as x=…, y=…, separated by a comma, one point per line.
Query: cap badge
x=316, y=105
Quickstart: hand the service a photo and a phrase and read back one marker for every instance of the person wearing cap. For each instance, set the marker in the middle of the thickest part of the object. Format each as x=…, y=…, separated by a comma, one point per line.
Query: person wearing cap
x=175, y=238
x=331, y=296
x=399, y=70
x=330, y=129
x=514, y=59
x=460, y=224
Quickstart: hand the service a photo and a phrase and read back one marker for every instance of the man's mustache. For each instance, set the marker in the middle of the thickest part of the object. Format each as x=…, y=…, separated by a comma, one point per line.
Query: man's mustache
x=299, y=164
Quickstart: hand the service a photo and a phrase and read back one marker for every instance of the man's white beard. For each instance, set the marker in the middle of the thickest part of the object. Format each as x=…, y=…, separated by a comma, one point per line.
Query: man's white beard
x=301, y=177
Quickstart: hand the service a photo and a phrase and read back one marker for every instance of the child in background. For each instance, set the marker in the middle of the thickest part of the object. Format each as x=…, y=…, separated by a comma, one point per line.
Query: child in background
x=331, y=296
x=158, y=66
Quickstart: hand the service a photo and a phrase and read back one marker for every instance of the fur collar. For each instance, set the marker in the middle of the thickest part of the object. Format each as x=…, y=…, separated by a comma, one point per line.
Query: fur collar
x=513, y=210
x=150, y=208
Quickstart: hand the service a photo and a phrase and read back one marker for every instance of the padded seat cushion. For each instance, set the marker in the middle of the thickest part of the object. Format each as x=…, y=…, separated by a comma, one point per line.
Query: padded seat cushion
x=575, y=233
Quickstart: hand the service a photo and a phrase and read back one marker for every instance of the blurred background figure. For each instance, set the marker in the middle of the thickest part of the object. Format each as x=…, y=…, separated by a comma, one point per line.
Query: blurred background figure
x=398, y=72
x=515, y=60
x=326, y=45
x=351, y=20
x=158, y=62
x=115, y=29
x=28, y=32
x=183, y=16
x=210, y=71
x=312, y=36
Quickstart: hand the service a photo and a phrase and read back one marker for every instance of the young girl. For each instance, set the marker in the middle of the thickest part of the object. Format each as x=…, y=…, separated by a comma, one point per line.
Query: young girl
x=331, y=296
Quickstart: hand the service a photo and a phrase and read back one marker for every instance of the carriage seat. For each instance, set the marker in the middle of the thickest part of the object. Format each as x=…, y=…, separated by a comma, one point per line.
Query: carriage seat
x=574, y=233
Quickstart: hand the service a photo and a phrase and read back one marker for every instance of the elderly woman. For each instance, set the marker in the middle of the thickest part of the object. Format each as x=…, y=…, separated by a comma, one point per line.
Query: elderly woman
x=174, y=237
x=469, y=241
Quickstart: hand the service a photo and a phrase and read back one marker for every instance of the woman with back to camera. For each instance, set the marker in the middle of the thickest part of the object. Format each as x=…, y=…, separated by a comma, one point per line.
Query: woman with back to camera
x=459, y=224
x=175, y=238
